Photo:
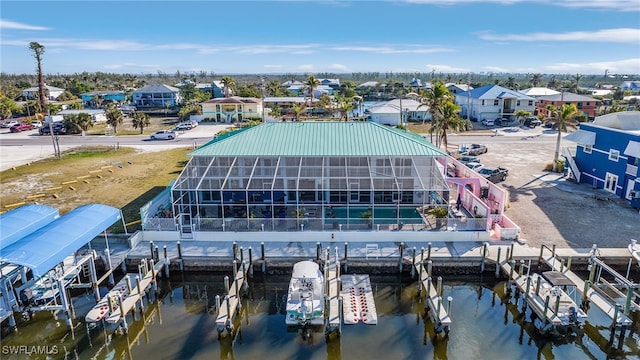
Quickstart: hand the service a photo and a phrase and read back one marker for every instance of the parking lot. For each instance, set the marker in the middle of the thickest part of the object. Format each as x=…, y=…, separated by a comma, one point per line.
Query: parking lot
x=548, y=208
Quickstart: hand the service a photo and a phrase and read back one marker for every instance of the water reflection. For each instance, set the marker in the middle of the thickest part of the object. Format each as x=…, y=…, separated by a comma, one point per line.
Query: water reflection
x=488, y=322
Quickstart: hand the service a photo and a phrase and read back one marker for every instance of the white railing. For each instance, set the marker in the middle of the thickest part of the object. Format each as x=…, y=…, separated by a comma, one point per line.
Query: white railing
x=572, y=163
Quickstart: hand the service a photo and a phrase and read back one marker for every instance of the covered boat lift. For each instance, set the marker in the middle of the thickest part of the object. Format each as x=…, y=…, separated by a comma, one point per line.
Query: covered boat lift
x=44, y=253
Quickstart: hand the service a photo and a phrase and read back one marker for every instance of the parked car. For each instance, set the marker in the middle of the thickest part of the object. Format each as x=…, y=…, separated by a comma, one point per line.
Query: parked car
x=475, y=166
x=58, y=129
x=183, y=126
x=163, y=135
x=502, y=122
x=465, y=159
x=8, y=124
x=494, y=174
x=476, y=149
x=36, y=124
x=532, y=122
x=487, y=122
x=20, y=127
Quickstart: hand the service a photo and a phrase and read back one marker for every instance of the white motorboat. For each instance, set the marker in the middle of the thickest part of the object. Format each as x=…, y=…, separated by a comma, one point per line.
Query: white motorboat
x=305, y=299
x=634, y=249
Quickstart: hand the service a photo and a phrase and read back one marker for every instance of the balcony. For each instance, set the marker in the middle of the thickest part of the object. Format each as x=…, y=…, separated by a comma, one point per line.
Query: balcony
x=632, y=170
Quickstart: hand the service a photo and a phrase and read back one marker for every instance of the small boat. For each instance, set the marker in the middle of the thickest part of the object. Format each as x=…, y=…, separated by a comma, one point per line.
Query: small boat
x=634, y=249
x=305, y=299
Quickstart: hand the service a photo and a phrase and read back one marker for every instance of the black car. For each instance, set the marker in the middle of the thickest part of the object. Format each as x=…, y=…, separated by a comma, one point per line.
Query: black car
x=58, y=129
x=532, y=122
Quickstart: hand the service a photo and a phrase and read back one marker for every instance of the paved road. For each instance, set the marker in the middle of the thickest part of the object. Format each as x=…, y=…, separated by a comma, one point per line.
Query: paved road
x=20, y=148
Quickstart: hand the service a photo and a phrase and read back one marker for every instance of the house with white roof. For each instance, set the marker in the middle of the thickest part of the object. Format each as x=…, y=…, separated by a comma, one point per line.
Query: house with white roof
x=157, y=95
x=493, y=102
x=233, y=108
x=539, y=91
x=52, y=92
x=457, y=88
x=388, y=112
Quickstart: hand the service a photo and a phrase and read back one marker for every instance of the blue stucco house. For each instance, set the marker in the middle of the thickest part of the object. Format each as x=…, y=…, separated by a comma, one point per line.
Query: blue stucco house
x=95, y=99
x=608, y=154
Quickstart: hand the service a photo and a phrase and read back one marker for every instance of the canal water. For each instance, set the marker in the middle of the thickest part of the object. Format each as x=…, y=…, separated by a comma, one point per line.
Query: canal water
x=487, y=324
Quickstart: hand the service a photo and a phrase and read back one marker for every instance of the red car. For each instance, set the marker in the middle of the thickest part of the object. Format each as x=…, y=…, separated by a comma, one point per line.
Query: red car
x=20, y=127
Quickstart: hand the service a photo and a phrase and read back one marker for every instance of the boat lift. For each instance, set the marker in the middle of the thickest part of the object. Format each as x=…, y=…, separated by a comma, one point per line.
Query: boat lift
x=333, y=300
x=434, y=304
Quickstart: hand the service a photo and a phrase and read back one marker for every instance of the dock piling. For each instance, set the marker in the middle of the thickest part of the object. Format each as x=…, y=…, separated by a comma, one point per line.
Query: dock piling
x=262, y=251
x=226, y=284
x=401, y=260
x=166, y=262
x=151, y=247
x=140, y=293
x=449, y=300
x=346, y=251
x=526, y=293
x=234, y=250
x=156, y=256
x=521, y=268
x=241, y=254
x=250, y=261
x=181, y=263
x=318, y=250
x=94, y=279
x=429, y=250
x=485, y=247
x=129, y=288
x=511, y=253
x=569, y=263
x=439, y=288
x=429, y=267
x=413, y=263
x=546, y=306
x=123, y=316
x=217, y=304
x=498, y=263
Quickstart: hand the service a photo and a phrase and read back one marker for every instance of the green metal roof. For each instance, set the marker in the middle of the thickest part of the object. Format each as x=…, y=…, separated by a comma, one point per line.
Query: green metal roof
x=320, y=139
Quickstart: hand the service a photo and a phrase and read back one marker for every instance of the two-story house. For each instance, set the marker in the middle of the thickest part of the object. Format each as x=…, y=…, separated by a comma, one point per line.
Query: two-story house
x=585, y=104
x=157, y=95
x=632, y=86
x=608, y=154
x=231, y=109
x=493, y=102
x=52, y=92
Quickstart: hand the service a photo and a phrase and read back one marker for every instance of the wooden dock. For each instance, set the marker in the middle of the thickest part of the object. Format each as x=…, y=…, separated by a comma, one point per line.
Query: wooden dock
x=231, y=304
x=359, y=304
x=549, y=302
x=434, y=301
x=332, y=282
x=594, y=297
x=125, y=295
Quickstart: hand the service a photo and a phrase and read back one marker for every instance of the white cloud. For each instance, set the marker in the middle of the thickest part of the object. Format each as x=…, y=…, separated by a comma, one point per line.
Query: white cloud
x=6, y=24
x=495, y=69
x=275, y=67
x=622, y=35
x=130, y=66
x=627, y=66
x=617, y=5
x=305, y=67
x=439, y=68
x=405, y=49
x=338, y=67
x=270, y=49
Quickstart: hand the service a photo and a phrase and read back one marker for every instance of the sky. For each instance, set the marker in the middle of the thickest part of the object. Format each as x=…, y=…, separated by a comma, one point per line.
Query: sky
x=268, y=37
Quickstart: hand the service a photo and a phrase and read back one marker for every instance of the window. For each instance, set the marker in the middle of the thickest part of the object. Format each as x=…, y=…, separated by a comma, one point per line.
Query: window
x=614, y=155
x=611, y=182
x=518, y=103
x=530, y=102
x=587, y=149
x=482, y=102
x=496, y=102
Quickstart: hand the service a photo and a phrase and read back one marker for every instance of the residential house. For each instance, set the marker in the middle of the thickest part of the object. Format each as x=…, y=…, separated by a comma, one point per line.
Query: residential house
x=458, y=88
x=633, y=86
x=584, y=104
x=52, y=92
x=232, y=109
x=97, y=115
x=214, y=88
x=538, y=91
x=95, y=99
x=493, y=102
x=607, y=155
x=388, y=112
x=157, y=95
x=332, y=83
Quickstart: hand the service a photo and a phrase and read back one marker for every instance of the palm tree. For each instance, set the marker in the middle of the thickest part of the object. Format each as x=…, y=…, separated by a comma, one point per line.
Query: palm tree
x=561, y=119
x=84, y=122
x=141, y=120
x=38, y=50
x=577, y=78
x=521, y=115
x=345, y=105
x=435, y=98
x=536, y=80
x=451, y=120
x=114, y=117
x=311, y=84
x=298, y=109
x=229, y=83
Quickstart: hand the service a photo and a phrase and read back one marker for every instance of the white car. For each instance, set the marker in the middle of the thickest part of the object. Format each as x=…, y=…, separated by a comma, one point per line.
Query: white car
x=163, y=135
x=36, y=124
x=475, y=166
x=9, y=124
x=487, y=122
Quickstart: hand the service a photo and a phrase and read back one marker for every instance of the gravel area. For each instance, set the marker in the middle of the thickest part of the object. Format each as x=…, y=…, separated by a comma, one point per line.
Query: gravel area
x=548, y=208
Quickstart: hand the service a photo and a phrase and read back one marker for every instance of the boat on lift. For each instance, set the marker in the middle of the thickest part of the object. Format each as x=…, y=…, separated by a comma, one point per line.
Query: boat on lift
x=305, y=298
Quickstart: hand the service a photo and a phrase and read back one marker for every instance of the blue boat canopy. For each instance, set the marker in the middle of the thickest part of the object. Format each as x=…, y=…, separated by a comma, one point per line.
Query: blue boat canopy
x=43, y=249
x=22, y=221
